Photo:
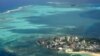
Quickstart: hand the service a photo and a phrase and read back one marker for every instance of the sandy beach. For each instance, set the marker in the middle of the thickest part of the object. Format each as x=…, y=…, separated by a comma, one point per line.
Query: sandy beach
x=84, y=52
x=95, y=54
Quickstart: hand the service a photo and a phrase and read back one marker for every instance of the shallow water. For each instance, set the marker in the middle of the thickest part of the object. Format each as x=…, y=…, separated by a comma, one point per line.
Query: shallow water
x=19, y=27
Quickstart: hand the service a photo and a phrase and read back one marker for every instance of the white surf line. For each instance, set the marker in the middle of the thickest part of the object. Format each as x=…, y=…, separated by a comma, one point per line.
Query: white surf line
x=91, y=8
x=14, y=10
x=56, y=8
x=96, y=8
x=58, y=3
x=19, y=8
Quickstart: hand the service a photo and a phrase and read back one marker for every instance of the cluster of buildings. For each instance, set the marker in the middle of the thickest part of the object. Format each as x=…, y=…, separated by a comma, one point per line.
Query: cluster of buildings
x=70, y=44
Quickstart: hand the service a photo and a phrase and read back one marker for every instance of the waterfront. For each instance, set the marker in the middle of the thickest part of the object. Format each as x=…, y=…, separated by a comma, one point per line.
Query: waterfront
x=70, y=44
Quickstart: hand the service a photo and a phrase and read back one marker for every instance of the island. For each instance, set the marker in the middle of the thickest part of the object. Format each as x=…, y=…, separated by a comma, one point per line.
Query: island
x=71, y=44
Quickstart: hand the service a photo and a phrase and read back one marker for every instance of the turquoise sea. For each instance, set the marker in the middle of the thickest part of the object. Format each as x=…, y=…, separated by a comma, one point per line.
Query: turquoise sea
x=23, y=21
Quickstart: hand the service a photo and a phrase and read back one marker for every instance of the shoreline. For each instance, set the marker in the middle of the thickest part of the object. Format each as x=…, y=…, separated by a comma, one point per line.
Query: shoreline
x=72, y=45
x=84, y=52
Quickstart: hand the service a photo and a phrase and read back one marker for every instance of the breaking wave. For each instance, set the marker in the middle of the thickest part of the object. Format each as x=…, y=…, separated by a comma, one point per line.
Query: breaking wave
x=14, y=10
x=67, y=9
x=19, y=8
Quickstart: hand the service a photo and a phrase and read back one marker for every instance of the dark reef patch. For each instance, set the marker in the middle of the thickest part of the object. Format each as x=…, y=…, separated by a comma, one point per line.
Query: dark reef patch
x=50, y=20
x=51, y=30
x=5, y=53
x=30, y=31
x=94, y=30
x=94, y=14
x=62, y=19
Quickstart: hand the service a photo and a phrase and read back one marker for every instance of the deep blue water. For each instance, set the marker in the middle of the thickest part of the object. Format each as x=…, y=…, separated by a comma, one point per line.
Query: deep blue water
x=4, y=53
x=11, y=4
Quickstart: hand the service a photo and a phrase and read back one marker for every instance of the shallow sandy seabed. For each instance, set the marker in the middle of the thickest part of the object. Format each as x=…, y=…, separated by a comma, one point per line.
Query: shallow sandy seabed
x=83, y=52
